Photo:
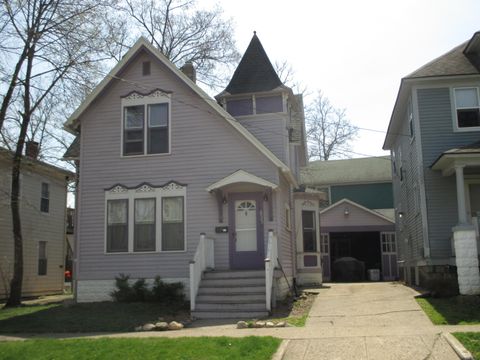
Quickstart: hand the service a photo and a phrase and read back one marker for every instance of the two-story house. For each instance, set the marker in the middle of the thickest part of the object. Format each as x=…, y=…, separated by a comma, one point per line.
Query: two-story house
x=357, y=220
x=197, y=190
x=43, y=204
x=433, y=138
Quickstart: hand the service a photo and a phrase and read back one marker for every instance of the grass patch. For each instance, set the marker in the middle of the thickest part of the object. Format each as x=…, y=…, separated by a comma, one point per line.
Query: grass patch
x=457, y=310
x=211, y=348
x=471, y=341
x=91, y=317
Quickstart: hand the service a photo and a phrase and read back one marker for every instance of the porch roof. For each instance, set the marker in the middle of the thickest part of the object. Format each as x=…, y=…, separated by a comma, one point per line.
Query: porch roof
x=241, y=176
x=466, y=156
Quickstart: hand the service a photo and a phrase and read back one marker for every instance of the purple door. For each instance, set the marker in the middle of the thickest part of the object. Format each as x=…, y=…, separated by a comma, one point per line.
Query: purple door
x=245, y=213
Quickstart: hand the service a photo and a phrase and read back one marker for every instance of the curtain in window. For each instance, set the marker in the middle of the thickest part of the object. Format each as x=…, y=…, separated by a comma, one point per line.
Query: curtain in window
x=173, y=234
x=117, y=225
x=144, y=237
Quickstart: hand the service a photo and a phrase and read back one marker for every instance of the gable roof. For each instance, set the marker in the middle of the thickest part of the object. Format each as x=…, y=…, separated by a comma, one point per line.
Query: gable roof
x=73, y=151
x=358, y=206
x=255, y=72
x=72, y=123
x=347, y=171
x=454, y=62
x=462, y=60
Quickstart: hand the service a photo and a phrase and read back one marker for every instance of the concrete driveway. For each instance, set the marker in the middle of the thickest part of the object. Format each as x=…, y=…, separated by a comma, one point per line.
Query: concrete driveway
x=369, y=321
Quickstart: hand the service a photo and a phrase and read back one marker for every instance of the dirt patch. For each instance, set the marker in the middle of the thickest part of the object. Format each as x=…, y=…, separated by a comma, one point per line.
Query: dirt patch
x=294, y=310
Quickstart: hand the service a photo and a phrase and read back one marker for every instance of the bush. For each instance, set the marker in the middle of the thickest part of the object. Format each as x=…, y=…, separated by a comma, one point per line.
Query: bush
x=161, y=292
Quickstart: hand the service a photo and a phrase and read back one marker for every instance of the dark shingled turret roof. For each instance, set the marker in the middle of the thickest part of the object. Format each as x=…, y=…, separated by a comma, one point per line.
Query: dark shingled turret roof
x=255, y=71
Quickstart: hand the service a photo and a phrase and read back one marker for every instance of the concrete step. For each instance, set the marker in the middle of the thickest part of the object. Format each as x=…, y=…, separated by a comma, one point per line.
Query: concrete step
x=231, y=290
x=229, y=298
x=232, y=282
x=234, y=274
x=227, y=307
x=237, y=315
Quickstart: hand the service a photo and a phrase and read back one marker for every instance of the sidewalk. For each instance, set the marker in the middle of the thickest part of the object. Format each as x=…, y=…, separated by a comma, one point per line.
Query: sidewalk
x=347, y=321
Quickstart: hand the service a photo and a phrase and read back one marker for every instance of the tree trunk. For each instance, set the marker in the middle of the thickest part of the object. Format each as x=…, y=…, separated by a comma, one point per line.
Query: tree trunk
x=15, y=298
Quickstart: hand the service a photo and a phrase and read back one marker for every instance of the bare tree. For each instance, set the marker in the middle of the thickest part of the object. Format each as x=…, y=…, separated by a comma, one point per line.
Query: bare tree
x=286, y=73
x=183, y=32
x=52, y=43
x=328, y=129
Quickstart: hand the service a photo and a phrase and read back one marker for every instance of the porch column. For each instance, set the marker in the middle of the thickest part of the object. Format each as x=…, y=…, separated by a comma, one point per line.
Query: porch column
x=465, y=241
x=462, y=208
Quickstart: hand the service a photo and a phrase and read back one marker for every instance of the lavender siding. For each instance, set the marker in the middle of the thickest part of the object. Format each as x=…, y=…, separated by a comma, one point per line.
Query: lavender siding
x=285, y=236
x=204, y=149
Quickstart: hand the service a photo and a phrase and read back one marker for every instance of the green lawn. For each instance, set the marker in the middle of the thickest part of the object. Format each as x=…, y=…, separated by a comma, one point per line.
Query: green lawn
x=457, y=310
x=92, y=317
x=208, y=348
x=471, y=341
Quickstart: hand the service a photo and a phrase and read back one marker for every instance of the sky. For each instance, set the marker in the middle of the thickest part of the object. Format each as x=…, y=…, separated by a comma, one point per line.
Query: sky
x=356, y=52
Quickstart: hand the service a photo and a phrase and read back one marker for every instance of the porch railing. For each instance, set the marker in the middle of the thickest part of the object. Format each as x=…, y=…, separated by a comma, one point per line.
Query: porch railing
x=270, y=265
x=202, y=260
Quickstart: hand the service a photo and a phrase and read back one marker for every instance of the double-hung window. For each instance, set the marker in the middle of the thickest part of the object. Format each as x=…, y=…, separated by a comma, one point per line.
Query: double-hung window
x=467, y=107
x=45, y=198
x=145, y=219
x=309, y=231
x=146, y=124
x=117, y=225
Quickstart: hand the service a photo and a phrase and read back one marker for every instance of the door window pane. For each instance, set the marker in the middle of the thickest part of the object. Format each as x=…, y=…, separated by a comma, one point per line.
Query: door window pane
x=144, y=232
x=117, y=225
x=246, y=226
x=173, y=230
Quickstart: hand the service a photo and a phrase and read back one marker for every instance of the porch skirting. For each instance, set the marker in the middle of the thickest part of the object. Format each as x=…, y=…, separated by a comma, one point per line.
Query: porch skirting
x=99, y=290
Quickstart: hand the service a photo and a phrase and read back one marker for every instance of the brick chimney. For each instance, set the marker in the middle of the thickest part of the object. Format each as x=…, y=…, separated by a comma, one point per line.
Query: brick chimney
x=31, y=149
x=189, y=70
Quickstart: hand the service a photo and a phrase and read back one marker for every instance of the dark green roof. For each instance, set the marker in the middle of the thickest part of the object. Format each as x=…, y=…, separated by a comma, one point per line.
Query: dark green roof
x=255, y=72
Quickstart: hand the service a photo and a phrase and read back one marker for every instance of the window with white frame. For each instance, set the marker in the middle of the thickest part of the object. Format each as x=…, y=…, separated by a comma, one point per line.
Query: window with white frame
x=309, y=231
x=45, y=198
x=467, y=107
x=146, y=124
x=156, y=223
x=42, y=258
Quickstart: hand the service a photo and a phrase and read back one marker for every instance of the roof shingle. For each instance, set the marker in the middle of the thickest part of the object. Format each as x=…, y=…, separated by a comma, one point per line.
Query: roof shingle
x=255, y=71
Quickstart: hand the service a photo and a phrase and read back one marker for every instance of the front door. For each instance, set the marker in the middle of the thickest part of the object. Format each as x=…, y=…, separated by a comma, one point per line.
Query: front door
x=246, y=231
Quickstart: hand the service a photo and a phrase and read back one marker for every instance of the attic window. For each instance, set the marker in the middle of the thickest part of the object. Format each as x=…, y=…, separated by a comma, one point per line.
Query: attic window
x=146, y=68
x=467, y=107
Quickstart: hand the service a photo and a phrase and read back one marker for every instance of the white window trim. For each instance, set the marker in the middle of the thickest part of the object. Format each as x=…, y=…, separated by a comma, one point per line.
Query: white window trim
x=49, y=198
x=136, y=99
x=120, y=192
x=453, y=99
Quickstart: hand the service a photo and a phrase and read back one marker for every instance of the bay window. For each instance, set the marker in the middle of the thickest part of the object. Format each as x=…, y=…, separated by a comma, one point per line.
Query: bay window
x=156, y=223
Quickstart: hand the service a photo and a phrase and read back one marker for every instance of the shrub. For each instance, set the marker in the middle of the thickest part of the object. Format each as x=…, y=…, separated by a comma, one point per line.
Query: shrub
x=161, y=292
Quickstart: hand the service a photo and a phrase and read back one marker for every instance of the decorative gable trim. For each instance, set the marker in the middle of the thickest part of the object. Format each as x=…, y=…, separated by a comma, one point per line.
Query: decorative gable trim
x=146, y=187
x=156, y=93
x=71, y=124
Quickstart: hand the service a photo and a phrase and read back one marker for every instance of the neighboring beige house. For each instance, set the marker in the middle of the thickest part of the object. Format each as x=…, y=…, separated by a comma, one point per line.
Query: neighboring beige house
x=43, y=205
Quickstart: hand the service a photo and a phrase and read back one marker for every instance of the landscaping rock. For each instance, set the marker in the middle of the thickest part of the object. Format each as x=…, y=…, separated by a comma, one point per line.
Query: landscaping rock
x=161, y=326
x=269, y=324
x=175, y=326
x=242, y=325
x=148, y=327
x=259, y=324
x=281, y=324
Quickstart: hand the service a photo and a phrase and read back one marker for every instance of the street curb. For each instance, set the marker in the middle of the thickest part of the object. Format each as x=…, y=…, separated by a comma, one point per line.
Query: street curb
x=281, y=350
x=458, y=347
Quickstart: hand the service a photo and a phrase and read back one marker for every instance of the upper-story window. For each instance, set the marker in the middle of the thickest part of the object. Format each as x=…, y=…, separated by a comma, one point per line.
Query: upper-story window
x=146, y=124
x=255, y=105
x=467, y=107
x=45, y=198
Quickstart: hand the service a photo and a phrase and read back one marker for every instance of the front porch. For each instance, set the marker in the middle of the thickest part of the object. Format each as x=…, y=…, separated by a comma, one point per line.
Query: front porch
x=465, y=164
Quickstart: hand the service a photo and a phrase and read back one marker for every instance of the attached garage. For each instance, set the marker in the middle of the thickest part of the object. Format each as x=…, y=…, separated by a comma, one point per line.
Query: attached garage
x=356, y=243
